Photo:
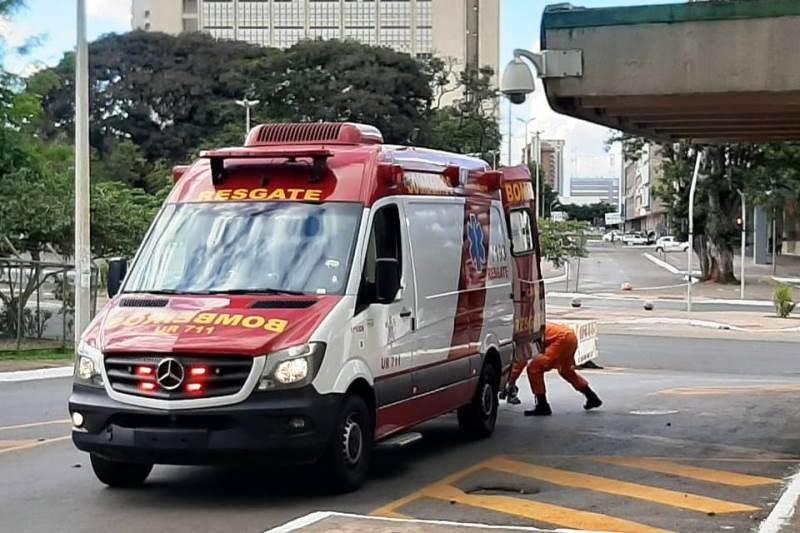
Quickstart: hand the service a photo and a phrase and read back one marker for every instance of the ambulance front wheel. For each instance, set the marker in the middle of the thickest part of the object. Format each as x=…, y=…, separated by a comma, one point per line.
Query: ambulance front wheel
x=120, y=475
x=350, y=451
x=477, y=420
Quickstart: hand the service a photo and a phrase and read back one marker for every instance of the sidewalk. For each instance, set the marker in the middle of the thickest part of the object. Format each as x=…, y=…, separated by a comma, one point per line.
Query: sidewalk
x=660, y=321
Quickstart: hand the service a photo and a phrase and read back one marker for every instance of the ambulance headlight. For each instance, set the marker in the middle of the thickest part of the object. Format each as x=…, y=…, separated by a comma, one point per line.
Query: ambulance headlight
x=87, y=365
x=293, y=367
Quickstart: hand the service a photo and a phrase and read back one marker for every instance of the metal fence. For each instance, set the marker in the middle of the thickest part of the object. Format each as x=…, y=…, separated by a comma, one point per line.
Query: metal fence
x=36, y=303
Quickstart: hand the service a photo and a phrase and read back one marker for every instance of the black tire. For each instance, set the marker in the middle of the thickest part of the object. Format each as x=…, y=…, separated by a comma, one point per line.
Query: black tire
x=659, y=250
x=477, y=420
x=350, y=451
x=120, y=475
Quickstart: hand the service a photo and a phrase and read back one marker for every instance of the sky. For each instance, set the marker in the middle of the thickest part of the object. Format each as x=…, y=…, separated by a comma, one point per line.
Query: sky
x=53, y=22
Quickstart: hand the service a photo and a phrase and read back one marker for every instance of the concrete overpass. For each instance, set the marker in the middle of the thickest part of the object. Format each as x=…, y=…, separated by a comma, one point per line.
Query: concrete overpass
x=724, y=70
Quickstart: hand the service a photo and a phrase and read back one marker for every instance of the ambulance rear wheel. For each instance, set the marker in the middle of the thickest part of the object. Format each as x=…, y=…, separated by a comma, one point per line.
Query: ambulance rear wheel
x=350, y=451
x=477, y=420
x=121, y=475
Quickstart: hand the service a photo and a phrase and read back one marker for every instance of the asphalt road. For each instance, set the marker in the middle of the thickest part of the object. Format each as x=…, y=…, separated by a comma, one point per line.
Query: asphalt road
x=608, y=267
x=694, y=436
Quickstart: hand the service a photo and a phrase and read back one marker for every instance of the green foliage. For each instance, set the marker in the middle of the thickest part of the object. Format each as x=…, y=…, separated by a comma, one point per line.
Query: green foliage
x=561, y=241
x=120, y=218
x=784, y=301
x=161, y=93
x=347, y=81
x=588, y=213
x=469, y=126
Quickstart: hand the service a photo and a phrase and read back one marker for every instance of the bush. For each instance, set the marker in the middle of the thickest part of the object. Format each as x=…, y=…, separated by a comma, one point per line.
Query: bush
x=784, y=301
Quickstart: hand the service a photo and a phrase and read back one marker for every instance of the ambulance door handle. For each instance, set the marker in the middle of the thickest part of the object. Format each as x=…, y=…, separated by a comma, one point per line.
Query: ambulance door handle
x=405, y=313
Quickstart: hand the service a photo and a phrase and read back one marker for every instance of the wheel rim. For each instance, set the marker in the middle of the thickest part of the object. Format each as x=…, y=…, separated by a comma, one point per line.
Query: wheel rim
x=487, y=400
x=353, y=441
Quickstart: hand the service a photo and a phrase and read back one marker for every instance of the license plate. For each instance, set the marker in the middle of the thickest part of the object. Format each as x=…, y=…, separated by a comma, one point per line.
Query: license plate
x=171, y=439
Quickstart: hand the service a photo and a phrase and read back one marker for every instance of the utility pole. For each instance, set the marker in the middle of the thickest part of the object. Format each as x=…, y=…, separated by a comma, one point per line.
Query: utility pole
x=538, y=177
x=690, y=250
x=83, y=269
x=509, y=132
x=744, y=244
x=774, y=241
x=247, y=105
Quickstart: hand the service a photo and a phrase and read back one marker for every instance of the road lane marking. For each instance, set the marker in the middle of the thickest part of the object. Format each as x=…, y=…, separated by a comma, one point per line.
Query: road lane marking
x=692, y=472
x=566, y=478
x=34, y=444
x=785, y=509
x=35, y=424
x=8, y=444
x=392, y=507
x=782, y=388
x=541, y=512
x=693, y=444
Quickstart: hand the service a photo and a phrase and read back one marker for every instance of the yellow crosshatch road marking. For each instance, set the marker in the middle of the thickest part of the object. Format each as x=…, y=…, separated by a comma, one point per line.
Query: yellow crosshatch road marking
x=722, y=391
x=529, y=508
x=26, y=445
x=692, y=472
x=36, y=424
x=542, y=512
x=577, y=480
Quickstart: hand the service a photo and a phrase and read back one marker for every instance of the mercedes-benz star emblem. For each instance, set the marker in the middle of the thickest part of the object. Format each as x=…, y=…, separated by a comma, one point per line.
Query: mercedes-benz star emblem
x=170, y=374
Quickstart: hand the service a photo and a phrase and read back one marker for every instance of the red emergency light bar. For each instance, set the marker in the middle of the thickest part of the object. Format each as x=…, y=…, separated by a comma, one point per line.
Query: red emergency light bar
x=319, y=156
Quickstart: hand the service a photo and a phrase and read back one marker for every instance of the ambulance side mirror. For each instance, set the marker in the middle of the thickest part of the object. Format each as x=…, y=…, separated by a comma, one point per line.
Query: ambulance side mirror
x=387, y=280
x=117, y=269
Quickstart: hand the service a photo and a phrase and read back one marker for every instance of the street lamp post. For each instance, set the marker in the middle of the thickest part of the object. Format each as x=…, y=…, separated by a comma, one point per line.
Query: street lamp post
x=690, y=250
x=744, y=243
x=83, y=272
x=247, y=105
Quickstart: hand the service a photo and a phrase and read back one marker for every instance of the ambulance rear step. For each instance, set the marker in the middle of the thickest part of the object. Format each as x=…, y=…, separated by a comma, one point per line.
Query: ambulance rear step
x=399, y=441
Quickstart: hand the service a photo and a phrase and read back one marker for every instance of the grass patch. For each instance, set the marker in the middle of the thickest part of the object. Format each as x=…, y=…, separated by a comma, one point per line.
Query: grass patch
x=38, y=355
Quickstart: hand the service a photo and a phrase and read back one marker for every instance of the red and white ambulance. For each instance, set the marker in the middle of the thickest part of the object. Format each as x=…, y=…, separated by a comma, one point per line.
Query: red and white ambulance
x=306, y=298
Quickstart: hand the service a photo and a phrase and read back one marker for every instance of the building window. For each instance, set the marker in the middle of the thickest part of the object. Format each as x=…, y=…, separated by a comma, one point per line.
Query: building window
x=254, y=14
x=395, y=13
x=424, y=40
x=286, y=37
x=218, y=14
x=289, y=14
x=323, y=14
x=397, y=38
x=189, y=7
x=146, y=26
x=190, y=25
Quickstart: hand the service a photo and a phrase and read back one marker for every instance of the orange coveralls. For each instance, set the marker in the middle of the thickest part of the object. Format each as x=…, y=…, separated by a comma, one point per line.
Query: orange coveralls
x=560, y=344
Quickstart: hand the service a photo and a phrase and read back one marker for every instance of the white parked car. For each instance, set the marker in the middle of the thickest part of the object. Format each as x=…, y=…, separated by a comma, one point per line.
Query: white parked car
x=634, y=238
x=670, y=244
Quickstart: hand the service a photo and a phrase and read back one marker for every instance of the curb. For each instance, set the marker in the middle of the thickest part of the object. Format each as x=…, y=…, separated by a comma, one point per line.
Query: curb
x=32, y=375
x=665, y=298
x=708, y=324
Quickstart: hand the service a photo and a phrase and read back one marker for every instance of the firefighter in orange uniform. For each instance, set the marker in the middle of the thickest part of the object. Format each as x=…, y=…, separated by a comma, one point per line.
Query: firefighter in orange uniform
x=560, y=344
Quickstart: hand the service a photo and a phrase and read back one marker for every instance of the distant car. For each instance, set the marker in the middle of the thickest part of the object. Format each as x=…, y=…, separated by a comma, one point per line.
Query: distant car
x=611, y=236
x=670, y=244
x=634, y=239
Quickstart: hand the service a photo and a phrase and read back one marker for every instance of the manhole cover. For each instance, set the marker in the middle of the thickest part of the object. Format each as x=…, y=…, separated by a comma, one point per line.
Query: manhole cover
x=655, y=412
x=502, y=489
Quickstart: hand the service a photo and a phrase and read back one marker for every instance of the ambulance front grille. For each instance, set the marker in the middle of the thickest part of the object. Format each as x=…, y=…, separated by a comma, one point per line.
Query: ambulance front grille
x=175, y=377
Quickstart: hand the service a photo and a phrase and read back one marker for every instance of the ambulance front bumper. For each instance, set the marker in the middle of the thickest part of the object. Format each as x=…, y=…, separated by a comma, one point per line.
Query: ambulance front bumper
x=274, y=428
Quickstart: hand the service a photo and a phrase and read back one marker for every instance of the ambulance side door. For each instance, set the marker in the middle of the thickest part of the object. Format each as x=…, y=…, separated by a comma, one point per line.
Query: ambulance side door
x=388, y=327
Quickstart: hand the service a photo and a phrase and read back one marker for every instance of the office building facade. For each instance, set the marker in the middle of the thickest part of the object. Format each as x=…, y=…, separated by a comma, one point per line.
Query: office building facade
x=468, y=31
x=593, y=190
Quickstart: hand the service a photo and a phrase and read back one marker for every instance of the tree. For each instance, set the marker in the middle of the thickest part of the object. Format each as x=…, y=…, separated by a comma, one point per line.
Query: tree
x=588, y=213
x=561, y=241
x=161, y=93
x=469, y=126
x=348, y=81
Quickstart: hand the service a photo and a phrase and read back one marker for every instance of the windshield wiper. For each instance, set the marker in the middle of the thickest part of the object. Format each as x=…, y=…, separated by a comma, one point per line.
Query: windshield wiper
x=255, y=291
x=160, y=291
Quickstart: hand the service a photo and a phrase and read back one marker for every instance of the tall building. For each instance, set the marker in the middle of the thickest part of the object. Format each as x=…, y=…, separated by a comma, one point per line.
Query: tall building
x=642, y=211
x=551, y=154
x=468, y=31
x=593, y=190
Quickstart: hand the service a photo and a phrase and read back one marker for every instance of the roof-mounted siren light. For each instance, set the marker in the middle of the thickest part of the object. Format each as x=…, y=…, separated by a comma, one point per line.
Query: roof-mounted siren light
x=391, y=175
x=178, y=171
x=490, y=179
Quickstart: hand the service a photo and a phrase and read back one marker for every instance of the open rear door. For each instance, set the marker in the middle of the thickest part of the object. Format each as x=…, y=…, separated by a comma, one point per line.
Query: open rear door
x=519, y=203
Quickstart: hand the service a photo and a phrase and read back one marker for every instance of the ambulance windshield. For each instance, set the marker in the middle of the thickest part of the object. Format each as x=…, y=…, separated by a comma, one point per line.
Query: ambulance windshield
x=263, y=247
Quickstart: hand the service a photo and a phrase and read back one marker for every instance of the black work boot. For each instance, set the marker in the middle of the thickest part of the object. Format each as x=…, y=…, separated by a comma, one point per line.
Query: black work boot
x=512, y=395
x=592, y=400
x=542, y=407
